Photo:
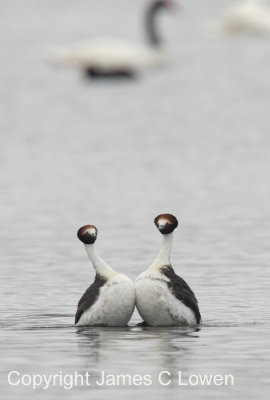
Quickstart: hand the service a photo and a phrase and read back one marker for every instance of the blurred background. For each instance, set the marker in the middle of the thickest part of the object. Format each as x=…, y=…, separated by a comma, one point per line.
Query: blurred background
x=191, y=139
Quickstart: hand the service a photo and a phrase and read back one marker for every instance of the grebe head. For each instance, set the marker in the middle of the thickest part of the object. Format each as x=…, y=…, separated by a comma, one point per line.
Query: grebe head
x=87, y=234
x=166, y=223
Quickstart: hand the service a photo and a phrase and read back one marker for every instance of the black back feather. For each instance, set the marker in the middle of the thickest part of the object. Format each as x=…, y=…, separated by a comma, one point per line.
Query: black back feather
x=181, y=291
x=89, y=297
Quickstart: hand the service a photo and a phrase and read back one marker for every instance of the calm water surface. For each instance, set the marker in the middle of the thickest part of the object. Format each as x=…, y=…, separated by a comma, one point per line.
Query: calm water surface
x=191, y=139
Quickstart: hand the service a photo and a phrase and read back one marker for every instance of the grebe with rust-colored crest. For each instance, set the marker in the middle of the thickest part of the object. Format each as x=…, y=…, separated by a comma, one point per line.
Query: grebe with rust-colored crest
x=162, y=297
x=110, y=300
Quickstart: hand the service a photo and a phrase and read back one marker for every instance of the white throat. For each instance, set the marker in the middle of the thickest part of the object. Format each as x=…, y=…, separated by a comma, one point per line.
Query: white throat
x=163, y=257
x=100, y=266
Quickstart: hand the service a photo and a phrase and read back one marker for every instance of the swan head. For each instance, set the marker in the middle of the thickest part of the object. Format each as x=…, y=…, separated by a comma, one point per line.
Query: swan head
x=169, y=4
x=166, y=223
x=87, y=234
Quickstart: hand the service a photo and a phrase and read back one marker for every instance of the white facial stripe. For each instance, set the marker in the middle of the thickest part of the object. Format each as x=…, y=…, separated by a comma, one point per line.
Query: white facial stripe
x=91, y=231
x=163, y=221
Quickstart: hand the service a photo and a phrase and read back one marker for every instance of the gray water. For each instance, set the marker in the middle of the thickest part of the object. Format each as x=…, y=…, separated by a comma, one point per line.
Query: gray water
x=191, y=139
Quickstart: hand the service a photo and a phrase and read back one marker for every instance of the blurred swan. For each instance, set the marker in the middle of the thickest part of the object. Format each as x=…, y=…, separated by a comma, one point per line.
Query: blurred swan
x=251, y=16
x=114, y=58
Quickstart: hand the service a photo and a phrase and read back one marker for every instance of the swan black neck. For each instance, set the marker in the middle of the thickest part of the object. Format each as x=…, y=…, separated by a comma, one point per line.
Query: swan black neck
x=151, y=28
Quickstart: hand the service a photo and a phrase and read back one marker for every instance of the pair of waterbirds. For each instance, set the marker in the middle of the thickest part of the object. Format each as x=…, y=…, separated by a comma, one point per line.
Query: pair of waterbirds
x=162, y=298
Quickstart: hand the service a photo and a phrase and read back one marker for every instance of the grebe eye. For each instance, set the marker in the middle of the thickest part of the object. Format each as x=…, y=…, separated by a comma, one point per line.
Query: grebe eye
x=86, y=233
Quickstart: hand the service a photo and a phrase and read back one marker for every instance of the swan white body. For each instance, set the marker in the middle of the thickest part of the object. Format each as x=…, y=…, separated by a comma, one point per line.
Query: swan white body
x=156, y=303
x=109, y=55
x=115, y=58
x=115, y=301
x=250, y=16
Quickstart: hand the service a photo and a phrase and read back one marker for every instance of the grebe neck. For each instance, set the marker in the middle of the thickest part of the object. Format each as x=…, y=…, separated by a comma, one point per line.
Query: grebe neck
x=163, y=257
x=100, y=266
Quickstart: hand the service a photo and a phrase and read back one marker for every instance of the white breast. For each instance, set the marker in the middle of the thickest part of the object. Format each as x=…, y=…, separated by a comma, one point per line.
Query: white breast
x=157, y=305
x=114, y=306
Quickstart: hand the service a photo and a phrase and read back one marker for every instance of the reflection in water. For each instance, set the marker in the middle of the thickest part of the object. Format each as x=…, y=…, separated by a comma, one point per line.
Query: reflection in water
x=156, y=348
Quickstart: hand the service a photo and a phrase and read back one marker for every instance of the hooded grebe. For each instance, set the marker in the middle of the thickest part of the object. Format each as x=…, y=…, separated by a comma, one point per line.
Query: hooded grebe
x=110, y=300
x=162, y=297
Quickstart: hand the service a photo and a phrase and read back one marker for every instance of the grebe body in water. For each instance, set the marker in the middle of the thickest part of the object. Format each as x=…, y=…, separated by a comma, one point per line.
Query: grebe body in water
x=162, y=297
x=110, y=300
